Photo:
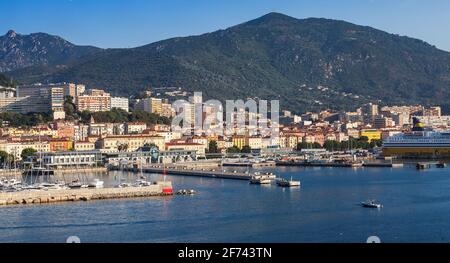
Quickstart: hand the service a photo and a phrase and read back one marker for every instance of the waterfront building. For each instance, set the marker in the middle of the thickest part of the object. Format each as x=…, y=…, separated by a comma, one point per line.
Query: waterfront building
x=15, y=146
x=238, y=141
x=131, y=142
x=144, y=156
x=94, y=100
x=186, y=146
x=371, y=134
x=203, y=140
x=120, y=103
x=83, y=146
x=58, y=145
x=254, y=142
x=69, y=159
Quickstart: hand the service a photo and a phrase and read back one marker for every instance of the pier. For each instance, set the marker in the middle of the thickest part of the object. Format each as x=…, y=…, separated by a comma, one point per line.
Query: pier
x=55, y=196
x=428, y=165
x=320, y=164
x=197, y=173
x=343, y=165
x=249, y=164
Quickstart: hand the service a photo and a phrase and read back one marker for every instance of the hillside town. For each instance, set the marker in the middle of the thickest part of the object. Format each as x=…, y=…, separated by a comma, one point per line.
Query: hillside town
x=368, y=125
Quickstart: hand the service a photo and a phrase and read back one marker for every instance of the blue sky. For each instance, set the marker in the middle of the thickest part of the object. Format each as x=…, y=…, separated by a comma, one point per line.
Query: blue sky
x=130, y=23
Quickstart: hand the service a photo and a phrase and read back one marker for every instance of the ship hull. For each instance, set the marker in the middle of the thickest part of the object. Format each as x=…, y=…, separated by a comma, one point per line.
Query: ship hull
x=416, y=151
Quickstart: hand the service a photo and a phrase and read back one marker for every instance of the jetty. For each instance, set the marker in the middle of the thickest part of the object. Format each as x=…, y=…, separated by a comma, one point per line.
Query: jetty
x=250, y=164
x=72, y=195
x=428, y=165
x=383, y=164
x=211, y=173
x=321, y=164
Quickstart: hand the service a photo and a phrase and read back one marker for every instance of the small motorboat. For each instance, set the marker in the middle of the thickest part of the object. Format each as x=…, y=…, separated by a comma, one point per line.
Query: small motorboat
x=288, y=183
x=186, y=192
x=97, y=183
x=75, y=185
x=371, y=204
x=258, y=179
x=141, y=183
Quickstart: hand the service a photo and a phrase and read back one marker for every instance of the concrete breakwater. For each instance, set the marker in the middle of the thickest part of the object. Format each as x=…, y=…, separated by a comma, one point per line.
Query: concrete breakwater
x=198, y=173
x=54, y=196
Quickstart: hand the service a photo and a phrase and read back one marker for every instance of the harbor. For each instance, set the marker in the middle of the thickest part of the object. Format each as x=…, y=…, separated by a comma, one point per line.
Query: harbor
x=326, y=197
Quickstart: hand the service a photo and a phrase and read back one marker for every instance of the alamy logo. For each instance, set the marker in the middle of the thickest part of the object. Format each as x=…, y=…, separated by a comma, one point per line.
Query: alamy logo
x=238, y=117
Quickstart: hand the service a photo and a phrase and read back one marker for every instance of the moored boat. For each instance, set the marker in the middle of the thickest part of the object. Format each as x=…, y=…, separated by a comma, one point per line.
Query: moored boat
x=288, y=183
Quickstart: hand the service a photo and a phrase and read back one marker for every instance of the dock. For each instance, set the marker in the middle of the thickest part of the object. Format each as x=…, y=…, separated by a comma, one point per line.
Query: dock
x=249, y=164
x=342, y=165
x=197, y=173
x=320, y=164
x=391, y=165
x=59, y=172
x=56, y=196
x=428, y=165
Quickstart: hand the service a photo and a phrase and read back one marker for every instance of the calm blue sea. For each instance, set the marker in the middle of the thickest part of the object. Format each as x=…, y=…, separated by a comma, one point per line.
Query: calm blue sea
x=325, y=209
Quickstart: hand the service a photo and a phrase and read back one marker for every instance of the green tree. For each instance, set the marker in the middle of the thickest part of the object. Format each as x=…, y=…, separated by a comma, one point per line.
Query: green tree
x=330, y=145
x=27, y=152
x=246, y=149
x=122, y=147
x=5, y=157
x=364, y=139
x=316, y=145
x=233, y=149
x=302, y=145
x=212, y=147
x=70, y=108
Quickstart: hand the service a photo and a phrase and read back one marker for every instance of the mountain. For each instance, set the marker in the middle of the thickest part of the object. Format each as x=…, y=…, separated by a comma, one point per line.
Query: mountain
x=20, y=51
x=308, y=64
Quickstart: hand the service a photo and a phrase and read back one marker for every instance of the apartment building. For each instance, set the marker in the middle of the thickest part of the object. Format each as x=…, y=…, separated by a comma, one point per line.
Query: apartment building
x=130, y=143
x=94, y=101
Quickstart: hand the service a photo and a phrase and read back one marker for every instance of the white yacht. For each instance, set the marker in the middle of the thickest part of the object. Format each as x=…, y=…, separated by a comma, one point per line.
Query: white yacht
x=97, y=183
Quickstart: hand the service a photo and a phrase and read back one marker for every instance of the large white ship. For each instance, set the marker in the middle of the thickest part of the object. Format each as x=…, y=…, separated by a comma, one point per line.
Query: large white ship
x=418, y=143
